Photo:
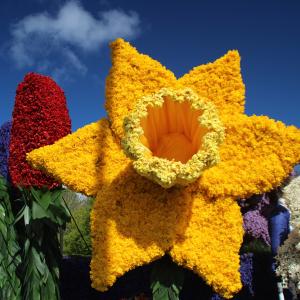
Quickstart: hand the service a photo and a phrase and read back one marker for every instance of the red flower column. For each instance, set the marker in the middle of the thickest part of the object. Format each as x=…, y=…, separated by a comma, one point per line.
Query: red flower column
x=40, y=117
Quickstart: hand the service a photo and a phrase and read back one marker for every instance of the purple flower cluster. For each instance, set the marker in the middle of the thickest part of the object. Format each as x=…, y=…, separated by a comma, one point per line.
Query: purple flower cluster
x=4, y=148
x=255, y=222
x=256, y=225
x=246, y=270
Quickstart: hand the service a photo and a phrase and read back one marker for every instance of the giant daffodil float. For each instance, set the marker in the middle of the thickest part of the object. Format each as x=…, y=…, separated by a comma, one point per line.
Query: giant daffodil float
x=167, y=166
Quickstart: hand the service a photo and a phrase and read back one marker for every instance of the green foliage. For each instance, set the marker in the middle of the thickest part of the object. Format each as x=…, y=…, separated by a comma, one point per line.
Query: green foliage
x=77, y=241
x=256, y=246
x=43, y=215
x=10, y=286
x=166, y=280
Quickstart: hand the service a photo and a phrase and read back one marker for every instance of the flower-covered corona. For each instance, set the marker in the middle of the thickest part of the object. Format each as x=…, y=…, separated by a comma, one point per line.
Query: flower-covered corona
x=173, y=136
x=167, y=166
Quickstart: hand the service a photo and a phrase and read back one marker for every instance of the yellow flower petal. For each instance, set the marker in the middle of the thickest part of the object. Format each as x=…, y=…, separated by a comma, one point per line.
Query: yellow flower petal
x=77, y=160
x=211, y=242
x=257, y=155
x=221, y=82
x=134, y=221
x=132, y=76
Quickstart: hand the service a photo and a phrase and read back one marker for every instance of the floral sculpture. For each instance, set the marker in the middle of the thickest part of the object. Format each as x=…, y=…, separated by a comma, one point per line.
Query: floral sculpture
x=167, y=166
x=40, y=117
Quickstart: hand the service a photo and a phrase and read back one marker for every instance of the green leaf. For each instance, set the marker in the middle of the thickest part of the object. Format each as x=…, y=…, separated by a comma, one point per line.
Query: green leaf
x=10, y=285
x=35, y=193
x=60, y=213
x=166, y=280
x=161, y=294
x=38, y=262
x=26, y=215
x=45, y=200
x=20, y=215
x=41, y=254
x=38, y=212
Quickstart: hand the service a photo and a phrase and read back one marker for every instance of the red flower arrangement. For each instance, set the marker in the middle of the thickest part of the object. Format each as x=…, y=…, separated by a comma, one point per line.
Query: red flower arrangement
x=40, y=117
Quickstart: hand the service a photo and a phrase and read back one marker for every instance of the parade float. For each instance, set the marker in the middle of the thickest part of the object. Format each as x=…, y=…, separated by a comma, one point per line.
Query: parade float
x=168, y=166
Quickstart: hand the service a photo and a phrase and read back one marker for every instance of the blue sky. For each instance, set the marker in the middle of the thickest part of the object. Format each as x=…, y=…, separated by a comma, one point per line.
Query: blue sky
x=69, y=41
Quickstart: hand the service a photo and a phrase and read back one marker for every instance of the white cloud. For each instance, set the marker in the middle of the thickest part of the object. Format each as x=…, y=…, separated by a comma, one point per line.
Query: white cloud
x=73, y=31
x=72, y=58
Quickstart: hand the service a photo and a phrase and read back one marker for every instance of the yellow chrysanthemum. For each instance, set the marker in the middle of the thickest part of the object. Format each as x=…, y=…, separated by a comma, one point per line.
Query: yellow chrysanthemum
x=184, y=202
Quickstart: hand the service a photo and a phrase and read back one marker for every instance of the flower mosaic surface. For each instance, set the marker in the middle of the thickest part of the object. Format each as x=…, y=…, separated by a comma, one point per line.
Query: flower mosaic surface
x=40, y=117
x=186, y=163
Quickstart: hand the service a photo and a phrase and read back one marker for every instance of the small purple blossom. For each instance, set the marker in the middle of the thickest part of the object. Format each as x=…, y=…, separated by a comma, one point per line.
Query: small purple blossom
x=256, y=225
x=255, y=211
x=246, y=270
x=4, y=148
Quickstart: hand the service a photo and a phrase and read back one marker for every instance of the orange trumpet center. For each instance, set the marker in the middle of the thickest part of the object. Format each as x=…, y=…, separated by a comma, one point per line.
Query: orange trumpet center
x=173, y=130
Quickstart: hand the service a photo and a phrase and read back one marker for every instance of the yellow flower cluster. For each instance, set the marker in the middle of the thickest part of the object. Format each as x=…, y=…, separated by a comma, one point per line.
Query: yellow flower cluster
x=134, y=75
x=212, y=239
x=134, y=220
x=161, y=170
x=221, y=82
x=256, y=156
x=77, y=159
